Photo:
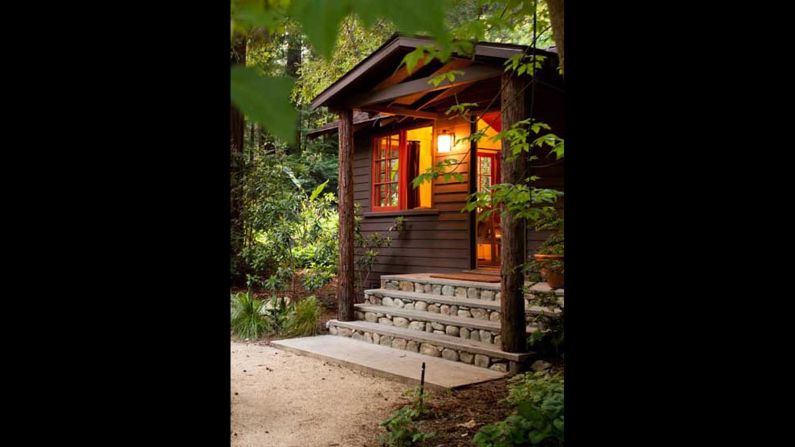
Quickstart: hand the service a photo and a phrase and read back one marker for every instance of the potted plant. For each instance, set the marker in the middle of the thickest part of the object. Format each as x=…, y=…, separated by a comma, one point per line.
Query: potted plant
x=549, y=258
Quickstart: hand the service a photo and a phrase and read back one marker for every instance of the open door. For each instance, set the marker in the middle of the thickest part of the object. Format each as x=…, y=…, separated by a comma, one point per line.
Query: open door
x=488, y=230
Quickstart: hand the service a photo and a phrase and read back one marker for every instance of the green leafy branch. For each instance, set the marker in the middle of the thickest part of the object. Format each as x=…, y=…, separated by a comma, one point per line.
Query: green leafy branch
x=448, y=76
x=439, y=170
x=525, y=64
x=519, y=200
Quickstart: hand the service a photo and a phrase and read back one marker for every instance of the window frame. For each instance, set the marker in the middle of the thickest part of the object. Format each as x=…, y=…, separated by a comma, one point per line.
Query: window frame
x=401, y=184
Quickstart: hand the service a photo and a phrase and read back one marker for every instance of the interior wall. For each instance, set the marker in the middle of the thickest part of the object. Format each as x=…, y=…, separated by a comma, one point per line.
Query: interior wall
x=425, y=136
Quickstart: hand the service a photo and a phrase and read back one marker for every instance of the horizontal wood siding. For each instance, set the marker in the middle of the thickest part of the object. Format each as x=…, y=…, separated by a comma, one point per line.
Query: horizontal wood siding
x=428, y=243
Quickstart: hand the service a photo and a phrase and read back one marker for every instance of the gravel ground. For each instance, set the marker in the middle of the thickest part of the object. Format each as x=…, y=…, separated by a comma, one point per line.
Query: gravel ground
x=281, y=399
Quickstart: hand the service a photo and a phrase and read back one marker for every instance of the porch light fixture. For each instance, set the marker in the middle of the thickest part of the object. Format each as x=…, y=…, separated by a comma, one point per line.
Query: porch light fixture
x=444, y=143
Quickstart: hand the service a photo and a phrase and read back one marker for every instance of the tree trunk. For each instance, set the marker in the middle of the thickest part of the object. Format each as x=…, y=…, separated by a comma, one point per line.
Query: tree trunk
x=345, y=273
x=512, y=317
x=291, y=68
x=236, y=133
x=556, y=19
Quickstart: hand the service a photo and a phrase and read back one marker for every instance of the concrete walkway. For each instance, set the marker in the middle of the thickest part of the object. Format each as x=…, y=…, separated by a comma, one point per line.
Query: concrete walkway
x=402, y=366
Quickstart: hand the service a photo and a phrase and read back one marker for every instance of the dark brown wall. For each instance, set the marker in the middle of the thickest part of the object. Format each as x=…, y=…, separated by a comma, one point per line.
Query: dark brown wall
x=429, y=243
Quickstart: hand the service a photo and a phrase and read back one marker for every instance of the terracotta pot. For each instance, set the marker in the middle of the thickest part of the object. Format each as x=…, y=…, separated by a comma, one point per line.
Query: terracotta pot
x=553, y=277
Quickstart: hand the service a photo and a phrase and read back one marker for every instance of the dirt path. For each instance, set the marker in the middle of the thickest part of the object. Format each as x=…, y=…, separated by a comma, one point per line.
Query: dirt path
x=281, y=399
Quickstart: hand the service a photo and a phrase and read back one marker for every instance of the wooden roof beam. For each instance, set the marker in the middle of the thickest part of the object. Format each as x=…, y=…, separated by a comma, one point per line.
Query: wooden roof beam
x=404, y=111
x=471, y=74
x=445, y=94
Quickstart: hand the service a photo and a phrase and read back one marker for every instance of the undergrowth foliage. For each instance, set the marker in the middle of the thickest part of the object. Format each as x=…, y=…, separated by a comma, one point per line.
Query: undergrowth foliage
x=538, y=416
x=401, y=428
x=252, y=318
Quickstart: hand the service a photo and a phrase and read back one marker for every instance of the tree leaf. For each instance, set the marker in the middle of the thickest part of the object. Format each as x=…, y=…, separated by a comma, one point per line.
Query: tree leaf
x=318, y=190
x=265, y=100
x=320, y=21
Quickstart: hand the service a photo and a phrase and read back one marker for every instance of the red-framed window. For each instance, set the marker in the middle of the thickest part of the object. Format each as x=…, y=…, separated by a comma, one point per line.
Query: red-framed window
x=389, y=172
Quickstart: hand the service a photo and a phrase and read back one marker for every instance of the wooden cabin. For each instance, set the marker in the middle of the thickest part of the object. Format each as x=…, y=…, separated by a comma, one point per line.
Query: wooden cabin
x=393, y=126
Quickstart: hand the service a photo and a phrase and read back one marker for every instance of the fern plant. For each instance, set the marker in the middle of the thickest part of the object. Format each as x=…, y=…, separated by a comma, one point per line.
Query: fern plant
x=247, y=320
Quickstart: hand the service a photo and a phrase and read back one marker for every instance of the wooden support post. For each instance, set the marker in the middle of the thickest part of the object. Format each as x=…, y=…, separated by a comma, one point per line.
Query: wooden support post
x=512, y=317
x=345, y=273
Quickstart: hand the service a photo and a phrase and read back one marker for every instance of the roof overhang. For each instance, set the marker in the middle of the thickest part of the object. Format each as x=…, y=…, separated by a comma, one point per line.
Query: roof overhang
x=386, y=59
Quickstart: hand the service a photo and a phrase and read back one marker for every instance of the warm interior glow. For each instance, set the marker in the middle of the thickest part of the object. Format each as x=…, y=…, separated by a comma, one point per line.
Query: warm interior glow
x=485, y=142
x=425, y=136
x=444, y=142
x=484, y=252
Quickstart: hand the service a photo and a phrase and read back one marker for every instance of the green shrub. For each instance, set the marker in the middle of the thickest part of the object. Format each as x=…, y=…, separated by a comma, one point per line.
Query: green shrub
x=305, y=317
x=247, y=320
x=401, y=429
x=538, y=419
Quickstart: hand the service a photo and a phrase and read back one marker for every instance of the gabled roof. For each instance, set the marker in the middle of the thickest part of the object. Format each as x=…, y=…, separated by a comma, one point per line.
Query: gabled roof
x=383, y=61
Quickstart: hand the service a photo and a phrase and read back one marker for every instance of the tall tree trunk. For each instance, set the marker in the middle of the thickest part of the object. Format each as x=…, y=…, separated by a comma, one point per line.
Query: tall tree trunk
x=512, y=318
x=556, y=19
x=236, y=134
x=345, y=272
x=294, y=60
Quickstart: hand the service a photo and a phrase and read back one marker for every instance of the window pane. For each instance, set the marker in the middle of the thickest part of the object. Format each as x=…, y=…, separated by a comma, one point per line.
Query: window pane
x=395, y=171
x=380, y=196
x=394, y=144
x=392, y=198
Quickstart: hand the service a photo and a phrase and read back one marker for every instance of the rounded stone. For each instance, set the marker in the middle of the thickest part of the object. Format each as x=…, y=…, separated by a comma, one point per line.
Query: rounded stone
x=370, y=316
x=376, y=338
x=385, y=321
x=433, y=308
x=501, y=367
x=412, y=346
x=464, y=333
x=419, y=288
x=399, y=343
x=448, y=290
x=407, y=286
x=428, y=327
x=391, y=285
x=409, y=306
x=420, y=305
x=332, y=330
x=436, y=331
x=388, y=301
x=487, y=295
x=480, y=314
x=464, y=314
x=485, y=336
x=466, y=357
x=397, y=302
x=359, y=315
x=453, y=310
x=472, y=293
x=437, y=326
x=460, y=292
x=451, y=330
x=436, y=289
x=498, y=340
x=494, y=316
x=400, y=322
x=427, y=288
x=498, y=296
x=368, y=337
x=429, y=349
x=386, y=340
x=444, y=309
x=357, y=336
x=482, y=360
x=345, y=332
x=475, y=335
x=417, y=325
x=450, y=354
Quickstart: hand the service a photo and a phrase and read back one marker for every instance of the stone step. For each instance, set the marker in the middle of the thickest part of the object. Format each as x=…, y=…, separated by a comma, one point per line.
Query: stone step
x=436, y=345
x=444, y=304
x=424, y=283
x=428, y=302
x=470, y=328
